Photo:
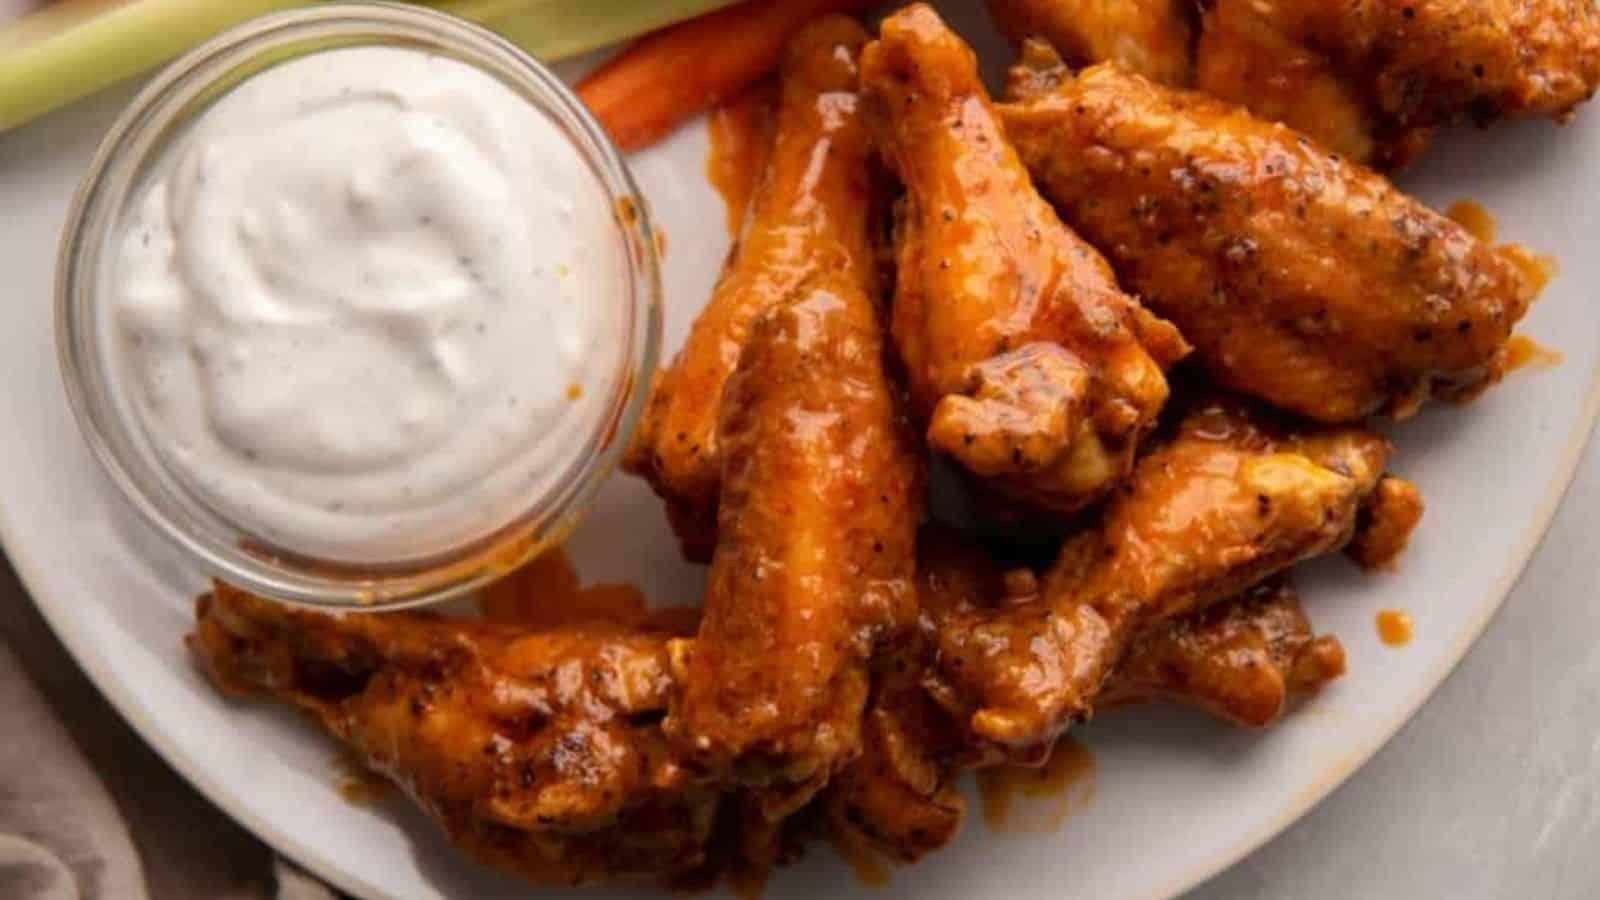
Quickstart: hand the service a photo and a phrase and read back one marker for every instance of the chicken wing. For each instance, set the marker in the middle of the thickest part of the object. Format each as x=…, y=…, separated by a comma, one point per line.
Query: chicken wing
x=1371, y=79
x=821, y=497
x=1241, y=660
x=1234, y=498
x=539, y=752
x=1024, y=360
x=808, y=215
x=1151, y=37
x=1301, y=278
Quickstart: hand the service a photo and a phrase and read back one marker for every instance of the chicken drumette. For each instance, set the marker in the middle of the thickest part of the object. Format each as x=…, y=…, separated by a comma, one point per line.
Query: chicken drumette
x=1025, y=361
x=1301, y=278
x=1233, y=498
x=1151, y=37
x=1371, y=79
x=539, y=752
x=808, y=216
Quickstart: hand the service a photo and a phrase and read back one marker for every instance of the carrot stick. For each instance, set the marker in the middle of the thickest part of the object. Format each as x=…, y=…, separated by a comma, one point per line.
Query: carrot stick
x=641, y=95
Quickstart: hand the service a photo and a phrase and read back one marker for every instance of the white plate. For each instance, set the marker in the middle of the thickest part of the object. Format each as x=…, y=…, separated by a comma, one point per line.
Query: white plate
x=1175, y=798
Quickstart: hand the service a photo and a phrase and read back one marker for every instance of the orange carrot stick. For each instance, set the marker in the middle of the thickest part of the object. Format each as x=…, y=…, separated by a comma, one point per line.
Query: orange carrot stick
x=641, y=95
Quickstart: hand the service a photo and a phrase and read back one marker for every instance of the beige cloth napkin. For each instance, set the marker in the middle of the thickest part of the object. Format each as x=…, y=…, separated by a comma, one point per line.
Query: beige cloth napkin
x=88, y=812
x=61, y=837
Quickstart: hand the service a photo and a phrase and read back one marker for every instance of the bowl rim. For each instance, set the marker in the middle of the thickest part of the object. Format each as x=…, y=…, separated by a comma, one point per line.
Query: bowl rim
x=137, y=141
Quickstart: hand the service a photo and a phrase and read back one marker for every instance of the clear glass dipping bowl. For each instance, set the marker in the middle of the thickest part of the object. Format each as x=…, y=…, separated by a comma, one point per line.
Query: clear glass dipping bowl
x=157, y=117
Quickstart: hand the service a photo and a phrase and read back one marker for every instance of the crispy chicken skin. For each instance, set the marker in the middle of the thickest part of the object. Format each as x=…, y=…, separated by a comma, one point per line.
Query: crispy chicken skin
x=1025, y=361
x=1372, y=78
x=538, y=752
x=1301, y=278
x=808, y=215
x=1151, y=37
x=1233, y=498
x=822, y=488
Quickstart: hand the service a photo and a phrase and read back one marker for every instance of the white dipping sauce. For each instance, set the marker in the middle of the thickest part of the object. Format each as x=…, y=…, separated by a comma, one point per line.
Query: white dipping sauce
x=368, y=307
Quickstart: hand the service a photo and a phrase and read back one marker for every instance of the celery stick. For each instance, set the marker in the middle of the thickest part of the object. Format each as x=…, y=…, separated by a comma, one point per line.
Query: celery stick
x=556, y=29
x=55, y=56
x=108, y=47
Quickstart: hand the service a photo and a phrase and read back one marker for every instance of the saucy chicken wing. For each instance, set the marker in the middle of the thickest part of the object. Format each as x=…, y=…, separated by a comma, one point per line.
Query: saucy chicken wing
x=1151, y=37
x=1025, y=361
x=1301, y=278
x=1371, y=79
x=1233, y=498
x=539, y=752
x=821, y=498
x=1241, y=660
x=808, y=215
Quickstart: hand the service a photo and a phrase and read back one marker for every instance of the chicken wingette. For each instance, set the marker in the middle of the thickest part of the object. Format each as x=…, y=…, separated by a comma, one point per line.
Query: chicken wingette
x=1371, y=79
x=1234, y=497
x=1025, y=362
x=1300, y=278
x=540, y=753
x=807, y=216
x=1151, y=37
x=815, y=558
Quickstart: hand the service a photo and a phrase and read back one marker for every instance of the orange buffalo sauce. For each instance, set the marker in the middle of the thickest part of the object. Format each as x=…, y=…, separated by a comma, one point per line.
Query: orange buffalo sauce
x=1536, y=268
x=1525, y=352
x=546, y=593
x=1053, y=791
x=1471, y=215
x=871, y=868
x=1394, y=627
x=741, y=142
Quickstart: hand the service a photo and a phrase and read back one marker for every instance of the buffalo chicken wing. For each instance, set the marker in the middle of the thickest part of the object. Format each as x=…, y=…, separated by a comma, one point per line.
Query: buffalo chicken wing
x=815, y=557
x=1232, y=499
x=809, y=215
x=1371, y=79
x=540, y=753
x=1025, y=361
x=1301, y=278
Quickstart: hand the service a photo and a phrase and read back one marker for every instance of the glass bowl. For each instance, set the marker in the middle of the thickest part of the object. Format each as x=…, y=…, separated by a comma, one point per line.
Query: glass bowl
x=157, y=117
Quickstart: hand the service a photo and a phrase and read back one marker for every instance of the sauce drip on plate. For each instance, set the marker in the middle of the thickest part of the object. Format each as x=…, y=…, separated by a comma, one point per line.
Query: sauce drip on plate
x=1394, y=627
x=1056, y=789
x=546, y=594
x=1523, y=352
x=1471, y=215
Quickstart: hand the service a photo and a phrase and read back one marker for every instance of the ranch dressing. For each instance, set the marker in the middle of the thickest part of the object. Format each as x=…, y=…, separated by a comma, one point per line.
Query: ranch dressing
x=367, y=307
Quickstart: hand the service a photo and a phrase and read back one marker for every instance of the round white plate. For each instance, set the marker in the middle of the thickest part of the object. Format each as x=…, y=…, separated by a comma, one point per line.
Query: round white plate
x=1174, y=797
